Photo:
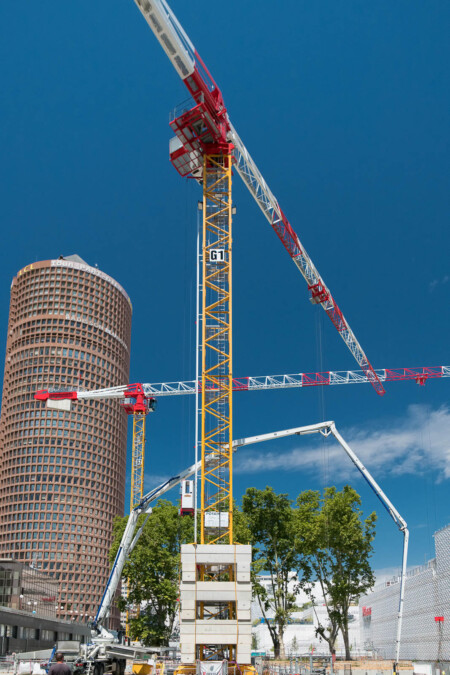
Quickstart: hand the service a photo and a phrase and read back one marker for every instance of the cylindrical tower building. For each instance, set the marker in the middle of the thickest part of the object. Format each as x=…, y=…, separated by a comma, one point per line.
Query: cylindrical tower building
x=63, y=472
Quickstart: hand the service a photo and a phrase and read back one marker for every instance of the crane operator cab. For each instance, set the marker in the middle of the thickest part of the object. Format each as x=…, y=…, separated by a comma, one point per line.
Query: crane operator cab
x=187, y=497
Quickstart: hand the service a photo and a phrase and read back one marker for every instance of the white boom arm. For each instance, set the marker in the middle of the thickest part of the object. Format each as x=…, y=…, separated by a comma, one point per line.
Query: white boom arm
x=170, y=35
x=327, y=428
x=130, y=537
x=128, y=542
x=396, y=517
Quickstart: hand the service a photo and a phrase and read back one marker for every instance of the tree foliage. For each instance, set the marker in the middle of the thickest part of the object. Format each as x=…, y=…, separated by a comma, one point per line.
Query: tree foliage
x=269, y=520
x=335, y=545
x=323, y=539
x=153, y=571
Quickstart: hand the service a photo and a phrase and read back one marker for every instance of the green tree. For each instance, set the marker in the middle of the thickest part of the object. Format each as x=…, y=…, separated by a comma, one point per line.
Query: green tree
x=153, y=570
x=336, y=545
x=270, y=529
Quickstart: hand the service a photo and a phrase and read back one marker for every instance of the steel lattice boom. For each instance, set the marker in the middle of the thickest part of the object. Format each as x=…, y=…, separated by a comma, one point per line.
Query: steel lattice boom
x=256, y=383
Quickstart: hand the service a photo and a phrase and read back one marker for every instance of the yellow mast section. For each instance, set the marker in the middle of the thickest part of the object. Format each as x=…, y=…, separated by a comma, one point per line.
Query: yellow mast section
x=216, y=383
x=137, y=476
x=137, y=459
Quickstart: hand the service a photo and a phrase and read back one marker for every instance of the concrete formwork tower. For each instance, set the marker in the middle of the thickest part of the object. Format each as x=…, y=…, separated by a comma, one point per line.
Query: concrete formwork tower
x=215, y=591
x=216, y=594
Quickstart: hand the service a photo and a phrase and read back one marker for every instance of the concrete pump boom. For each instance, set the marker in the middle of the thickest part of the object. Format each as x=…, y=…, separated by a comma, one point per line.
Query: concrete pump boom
x=129, y=540
x=327, y=428
x=131, y=536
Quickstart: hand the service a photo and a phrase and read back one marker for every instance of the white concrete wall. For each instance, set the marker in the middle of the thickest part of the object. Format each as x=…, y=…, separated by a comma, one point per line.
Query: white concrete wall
x=194, y=631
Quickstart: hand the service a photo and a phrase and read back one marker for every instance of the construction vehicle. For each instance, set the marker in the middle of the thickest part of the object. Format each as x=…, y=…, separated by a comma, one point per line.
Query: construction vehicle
x=102, y=642
x=103, y=647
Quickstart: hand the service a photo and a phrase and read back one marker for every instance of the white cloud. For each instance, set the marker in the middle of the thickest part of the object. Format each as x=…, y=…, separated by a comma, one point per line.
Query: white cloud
x=436, y=282
x=387, y=574
x=152, y=480
x=384, y=574
x=417, y=443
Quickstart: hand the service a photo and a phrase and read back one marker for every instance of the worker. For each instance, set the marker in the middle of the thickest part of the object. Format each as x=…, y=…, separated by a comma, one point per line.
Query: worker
x=60, y=667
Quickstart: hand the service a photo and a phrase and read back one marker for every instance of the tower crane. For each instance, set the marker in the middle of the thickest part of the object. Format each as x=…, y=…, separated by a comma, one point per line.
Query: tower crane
x=206, y=146
x=205, y=130
x=138, y=405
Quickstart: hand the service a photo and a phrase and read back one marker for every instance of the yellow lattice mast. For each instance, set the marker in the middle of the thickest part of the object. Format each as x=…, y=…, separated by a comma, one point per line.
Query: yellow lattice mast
x=137, y=459
x=137, y=481
x=138, y=405
x=216, y=350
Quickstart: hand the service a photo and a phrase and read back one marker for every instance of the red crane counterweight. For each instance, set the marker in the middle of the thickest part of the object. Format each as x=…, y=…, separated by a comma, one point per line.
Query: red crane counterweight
x=135, y=401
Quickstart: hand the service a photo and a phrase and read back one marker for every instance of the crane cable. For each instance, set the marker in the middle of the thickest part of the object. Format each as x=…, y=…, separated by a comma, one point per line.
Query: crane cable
x=324, y=441
x=188, y=312
x=321, y=397
x=429, y=445
x=436, y=585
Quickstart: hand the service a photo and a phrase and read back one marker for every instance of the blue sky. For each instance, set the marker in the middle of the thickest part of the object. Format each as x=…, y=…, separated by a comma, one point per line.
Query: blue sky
x=345, y=108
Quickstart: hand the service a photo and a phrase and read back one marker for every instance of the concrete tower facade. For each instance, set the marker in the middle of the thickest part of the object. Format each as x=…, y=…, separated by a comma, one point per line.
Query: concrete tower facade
x=63, y=472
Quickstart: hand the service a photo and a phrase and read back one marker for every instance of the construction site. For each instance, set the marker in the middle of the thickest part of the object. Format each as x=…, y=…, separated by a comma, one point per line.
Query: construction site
x=74, y=347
